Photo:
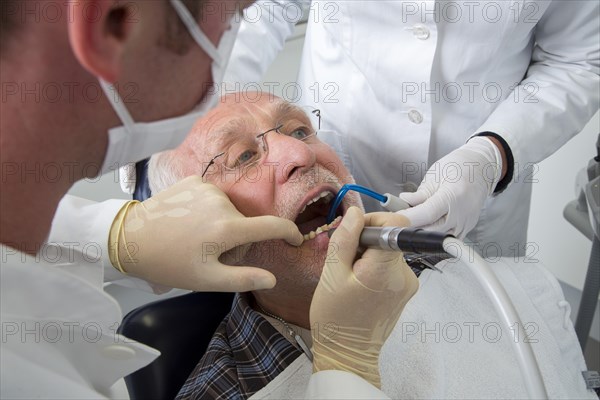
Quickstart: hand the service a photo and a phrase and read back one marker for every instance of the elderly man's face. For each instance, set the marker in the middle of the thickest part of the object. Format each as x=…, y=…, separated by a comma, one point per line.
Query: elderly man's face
x=296, y=178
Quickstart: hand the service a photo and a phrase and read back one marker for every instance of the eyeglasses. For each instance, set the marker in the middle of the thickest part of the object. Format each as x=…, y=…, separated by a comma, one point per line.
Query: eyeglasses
x=251, y=150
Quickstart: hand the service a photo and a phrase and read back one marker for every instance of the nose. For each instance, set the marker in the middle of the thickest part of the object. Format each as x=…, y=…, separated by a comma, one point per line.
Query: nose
x=290, y=157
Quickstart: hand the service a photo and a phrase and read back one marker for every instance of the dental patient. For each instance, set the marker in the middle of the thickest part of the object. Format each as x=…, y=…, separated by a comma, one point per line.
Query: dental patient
x=266, y=155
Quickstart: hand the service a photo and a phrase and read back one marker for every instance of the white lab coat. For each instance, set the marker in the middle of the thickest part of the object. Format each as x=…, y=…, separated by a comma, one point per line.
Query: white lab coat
x=405, y=86
x=59, y=329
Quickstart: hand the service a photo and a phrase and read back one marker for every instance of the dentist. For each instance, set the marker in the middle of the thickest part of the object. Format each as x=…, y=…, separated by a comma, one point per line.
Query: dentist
x=72, y=72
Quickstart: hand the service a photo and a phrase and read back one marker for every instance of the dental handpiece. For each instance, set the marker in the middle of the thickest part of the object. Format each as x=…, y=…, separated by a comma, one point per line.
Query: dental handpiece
x=408, y=240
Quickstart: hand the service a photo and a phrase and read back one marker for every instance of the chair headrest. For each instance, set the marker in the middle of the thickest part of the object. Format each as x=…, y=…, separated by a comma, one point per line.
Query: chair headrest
x=142, y=187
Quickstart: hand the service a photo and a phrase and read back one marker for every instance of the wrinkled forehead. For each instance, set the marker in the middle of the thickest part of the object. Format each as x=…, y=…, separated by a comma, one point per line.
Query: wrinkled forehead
x=236, y=118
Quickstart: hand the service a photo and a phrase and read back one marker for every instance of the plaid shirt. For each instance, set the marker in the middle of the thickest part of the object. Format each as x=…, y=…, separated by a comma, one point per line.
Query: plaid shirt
x=247, y=352
x=244, y=355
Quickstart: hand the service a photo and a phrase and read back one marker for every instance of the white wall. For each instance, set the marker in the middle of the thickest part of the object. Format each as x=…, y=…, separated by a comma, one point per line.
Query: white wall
x=562, y=248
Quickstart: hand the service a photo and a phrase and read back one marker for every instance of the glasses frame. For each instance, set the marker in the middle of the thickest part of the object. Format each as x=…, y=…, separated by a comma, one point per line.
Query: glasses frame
x=263, y=137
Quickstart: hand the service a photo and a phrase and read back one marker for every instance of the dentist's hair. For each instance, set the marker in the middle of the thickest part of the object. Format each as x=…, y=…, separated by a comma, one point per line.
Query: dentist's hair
x=177, y=37
x=7, y=20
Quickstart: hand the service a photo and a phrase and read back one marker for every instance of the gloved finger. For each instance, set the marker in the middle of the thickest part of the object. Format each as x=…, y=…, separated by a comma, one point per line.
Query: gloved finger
x=343, y=244
x=386, y=219
x=258, y=229
x=235, y=255
x=453, y=225
x=449, y=224
x=427, y=213
x=376, y=268
x=225, y=278
x=441, y=225
x=415, y=198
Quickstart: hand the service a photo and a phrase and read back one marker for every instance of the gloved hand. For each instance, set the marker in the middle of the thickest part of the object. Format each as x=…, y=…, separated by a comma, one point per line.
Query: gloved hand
x=358, y=302
x=453, y=192
x=176, y=238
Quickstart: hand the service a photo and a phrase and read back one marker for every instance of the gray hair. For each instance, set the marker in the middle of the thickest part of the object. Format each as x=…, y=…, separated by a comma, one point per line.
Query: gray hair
x=164, y=170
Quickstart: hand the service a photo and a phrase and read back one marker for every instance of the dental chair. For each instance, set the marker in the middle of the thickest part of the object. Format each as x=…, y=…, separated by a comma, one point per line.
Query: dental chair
x=584, y=214
x=180, y=328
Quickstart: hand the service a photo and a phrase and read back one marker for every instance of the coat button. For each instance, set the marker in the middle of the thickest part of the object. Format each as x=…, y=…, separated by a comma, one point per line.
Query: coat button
x=415, y=117
x=421, y=32
x=118, y=352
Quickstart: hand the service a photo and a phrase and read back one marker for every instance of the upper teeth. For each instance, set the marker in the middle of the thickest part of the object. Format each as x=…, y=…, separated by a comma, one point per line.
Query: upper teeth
x=326, y=194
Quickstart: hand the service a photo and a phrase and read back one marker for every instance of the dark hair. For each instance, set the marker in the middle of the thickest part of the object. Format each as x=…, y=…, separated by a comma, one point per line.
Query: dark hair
x=177, y=37
x=7, y=21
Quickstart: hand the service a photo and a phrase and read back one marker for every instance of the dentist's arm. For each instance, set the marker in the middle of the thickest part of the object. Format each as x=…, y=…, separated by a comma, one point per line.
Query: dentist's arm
x=361, y=297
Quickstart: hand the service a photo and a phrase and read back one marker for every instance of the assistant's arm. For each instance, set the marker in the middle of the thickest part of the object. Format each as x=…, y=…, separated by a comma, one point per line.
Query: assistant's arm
x=560, y=91
x=262, y=35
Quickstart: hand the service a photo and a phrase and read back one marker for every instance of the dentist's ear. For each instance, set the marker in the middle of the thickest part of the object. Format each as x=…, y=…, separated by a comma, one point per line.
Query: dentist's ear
x=98, y=32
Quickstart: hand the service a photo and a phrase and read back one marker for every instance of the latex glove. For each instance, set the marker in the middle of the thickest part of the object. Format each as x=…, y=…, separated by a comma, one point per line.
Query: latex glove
x=176, y=238
x=454, y=190
x=358, y=302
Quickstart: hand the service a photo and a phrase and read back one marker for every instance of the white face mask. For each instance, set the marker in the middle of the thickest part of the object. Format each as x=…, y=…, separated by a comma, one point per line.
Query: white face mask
x=133, y=141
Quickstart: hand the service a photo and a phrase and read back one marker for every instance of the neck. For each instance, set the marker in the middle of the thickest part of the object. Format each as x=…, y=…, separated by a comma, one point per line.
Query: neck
x=292, y=310
x=34, y=179
x=45, y=147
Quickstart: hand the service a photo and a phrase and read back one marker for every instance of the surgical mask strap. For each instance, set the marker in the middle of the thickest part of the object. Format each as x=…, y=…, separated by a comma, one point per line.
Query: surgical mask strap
x=199, y=36
x=117, y=104
x=113, y=95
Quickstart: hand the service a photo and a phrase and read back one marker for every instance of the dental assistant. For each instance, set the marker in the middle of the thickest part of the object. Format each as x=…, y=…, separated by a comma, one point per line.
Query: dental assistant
x=59, y=335
x=460, y=99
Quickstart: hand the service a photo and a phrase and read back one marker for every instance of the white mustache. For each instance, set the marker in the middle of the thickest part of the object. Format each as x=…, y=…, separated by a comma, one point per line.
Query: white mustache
x=286, y=204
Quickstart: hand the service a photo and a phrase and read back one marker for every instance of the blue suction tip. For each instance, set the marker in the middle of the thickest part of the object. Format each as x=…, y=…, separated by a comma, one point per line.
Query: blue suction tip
x=356, y=188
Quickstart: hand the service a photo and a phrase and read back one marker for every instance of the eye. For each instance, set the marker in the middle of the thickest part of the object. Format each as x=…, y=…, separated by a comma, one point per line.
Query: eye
x=300, y=133
x=246, y=157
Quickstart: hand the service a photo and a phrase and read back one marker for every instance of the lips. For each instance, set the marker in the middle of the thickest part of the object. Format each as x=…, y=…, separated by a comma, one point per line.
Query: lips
x=314, y=210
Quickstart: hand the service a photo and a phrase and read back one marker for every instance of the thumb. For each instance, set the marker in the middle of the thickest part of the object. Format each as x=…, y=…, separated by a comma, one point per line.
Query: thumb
x=414, y=198
x=428, y=212
x=343, y=244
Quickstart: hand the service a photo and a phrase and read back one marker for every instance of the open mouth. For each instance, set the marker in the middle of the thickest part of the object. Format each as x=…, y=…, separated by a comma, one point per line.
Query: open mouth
x=312, y=218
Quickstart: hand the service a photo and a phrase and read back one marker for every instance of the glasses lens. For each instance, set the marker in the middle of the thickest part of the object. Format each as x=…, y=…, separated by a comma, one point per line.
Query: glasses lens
x=249, y=150
x=302, y=126
x=243, y=153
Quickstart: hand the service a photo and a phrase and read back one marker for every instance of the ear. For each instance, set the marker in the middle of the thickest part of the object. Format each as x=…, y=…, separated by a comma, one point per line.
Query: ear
x=98, y=33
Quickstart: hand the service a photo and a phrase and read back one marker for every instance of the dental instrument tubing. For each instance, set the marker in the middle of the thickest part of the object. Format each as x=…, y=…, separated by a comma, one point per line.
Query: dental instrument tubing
x=425, y=242
x=506, y=309
x=387, y=201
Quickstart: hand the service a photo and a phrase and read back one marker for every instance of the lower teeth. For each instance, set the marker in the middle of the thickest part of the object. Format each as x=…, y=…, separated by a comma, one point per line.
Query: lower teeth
x=321, y=229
